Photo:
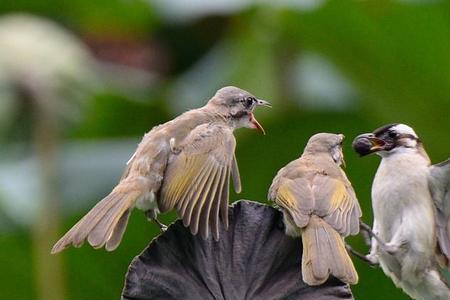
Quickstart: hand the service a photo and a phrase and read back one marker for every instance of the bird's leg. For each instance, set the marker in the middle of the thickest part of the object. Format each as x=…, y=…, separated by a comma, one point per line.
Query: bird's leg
x=391, y=247
x=366, y=236
x=162, y=226
x=366, y=228
x=371, y=240
x=395, y=244
x=151, y=216
x=372, y=261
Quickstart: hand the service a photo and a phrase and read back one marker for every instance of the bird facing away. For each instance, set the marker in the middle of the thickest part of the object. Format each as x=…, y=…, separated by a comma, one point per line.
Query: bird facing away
x=320, y=205
x=411, y=207
x=184, y=164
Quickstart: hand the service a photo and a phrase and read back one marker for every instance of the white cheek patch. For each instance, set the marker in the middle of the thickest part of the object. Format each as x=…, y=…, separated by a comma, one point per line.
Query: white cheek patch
x=408, y=142
x=404, y=129
x=408, y=137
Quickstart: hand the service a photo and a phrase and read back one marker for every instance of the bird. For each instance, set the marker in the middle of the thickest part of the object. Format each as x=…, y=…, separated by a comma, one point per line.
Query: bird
x=411, y=208
x=319, y=204
x=184, y=164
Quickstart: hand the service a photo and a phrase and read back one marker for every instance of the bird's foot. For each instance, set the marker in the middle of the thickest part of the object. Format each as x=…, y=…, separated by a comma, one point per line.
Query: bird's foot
x=391, y=247
x=162, y=226
x=370, y=259
x=369, y=233
x=151, y=216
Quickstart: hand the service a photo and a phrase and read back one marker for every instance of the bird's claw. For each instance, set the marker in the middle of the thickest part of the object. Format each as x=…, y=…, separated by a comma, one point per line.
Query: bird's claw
x=372, y=260
x=151, y=216
x=162, y=226
x=369, y=259
x=392, y=248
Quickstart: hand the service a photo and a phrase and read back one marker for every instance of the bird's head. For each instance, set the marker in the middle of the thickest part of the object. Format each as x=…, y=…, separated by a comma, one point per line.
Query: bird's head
x=386, y=140
x=237, y=105
x=327, y=143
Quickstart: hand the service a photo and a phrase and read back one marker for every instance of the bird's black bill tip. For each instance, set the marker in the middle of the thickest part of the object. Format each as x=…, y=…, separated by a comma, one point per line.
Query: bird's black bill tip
x=365, y=144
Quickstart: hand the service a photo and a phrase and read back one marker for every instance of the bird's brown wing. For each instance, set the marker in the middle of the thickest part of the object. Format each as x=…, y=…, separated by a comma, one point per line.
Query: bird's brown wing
x=439, y=184
x=336, y=203
x=197, y=179
x=235, y=176
x=332, y=199
x=295, y=197
x=324, y=208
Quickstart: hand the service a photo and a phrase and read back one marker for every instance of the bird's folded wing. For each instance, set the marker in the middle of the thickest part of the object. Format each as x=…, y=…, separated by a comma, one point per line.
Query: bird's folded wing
x=336, y=203
x=235, y=176
x=197, y=178
x=439, y=184
x=295, y=196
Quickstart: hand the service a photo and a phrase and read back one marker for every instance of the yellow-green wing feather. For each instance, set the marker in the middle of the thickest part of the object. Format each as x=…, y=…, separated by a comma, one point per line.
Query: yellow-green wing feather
x=196, y=181
x=336, y=203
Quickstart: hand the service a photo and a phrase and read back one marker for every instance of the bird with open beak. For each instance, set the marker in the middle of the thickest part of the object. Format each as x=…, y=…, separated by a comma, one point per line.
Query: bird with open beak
x=411, y=207
x=320, y=205
x=184, y=164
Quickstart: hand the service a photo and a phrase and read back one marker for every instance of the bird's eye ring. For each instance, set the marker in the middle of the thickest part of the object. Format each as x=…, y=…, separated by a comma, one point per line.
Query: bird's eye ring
x=392, y=134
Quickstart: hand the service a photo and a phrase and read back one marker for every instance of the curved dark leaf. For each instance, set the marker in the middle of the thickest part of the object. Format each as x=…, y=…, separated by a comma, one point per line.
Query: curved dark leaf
x=254, y=259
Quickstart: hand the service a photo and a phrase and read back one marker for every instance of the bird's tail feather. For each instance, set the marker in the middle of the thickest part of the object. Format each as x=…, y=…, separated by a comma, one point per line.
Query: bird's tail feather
x=104, y=224
x=430, y=286
x=324, y=253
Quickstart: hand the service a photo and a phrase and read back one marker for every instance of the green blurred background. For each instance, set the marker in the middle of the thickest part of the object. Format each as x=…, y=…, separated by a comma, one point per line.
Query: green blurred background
x=82, y=81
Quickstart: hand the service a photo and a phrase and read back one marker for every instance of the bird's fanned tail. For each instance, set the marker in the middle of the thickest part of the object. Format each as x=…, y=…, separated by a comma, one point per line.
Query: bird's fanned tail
x=324, y=253
x=104, y=224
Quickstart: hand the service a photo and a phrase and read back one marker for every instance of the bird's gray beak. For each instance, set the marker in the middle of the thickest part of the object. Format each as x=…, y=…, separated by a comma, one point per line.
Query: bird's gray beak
x=253, y=120
x=260, y=102
x=368, y=143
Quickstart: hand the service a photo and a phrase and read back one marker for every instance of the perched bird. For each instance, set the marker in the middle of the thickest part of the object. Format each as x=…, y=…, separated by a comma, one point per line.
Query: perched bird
x=411, y=207
x=184, y=164
x=320, y=205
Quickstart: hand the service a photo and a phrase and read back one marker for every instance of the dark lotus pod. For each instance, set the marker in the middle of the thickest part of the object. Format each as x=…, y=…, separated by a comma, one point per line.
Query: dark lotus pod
x=253, y=259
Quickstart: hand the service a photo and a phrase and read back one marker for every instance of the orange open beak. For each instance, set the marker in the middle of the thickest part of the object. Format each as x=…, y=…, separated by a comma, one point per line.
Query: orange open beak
x=256, y=124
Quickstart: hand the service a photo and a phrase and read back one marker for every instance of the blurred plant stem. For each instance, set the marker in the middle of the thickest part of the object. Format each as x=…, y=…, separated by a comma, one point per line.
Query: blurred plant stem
x=48, y=269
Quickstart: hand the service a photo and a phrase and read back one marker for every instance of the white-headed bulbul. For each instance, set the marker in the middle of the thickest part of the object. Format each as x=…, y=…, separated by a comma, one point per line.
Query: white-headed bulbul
x=411, y=207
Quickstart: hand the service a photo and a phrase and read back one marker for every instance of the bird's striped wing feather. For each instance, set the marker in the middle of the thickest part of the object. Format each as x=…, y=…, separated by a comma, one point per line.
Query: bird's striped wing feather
x=336, y=203
x=295, y=196
x=197, y=179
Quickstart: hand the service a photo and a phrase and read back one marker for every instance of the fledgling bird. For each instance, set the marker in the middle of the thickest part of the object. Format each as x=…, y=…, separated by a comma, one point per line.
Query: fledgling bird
x=411, y=207
x=320, y=205
x=184, y=164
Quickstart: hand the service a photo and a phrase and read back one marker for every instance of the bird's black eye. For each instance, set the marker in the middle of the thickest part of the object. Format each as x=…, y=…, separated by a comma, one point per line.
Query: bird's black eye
x=249, y=101
x=392, y=134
